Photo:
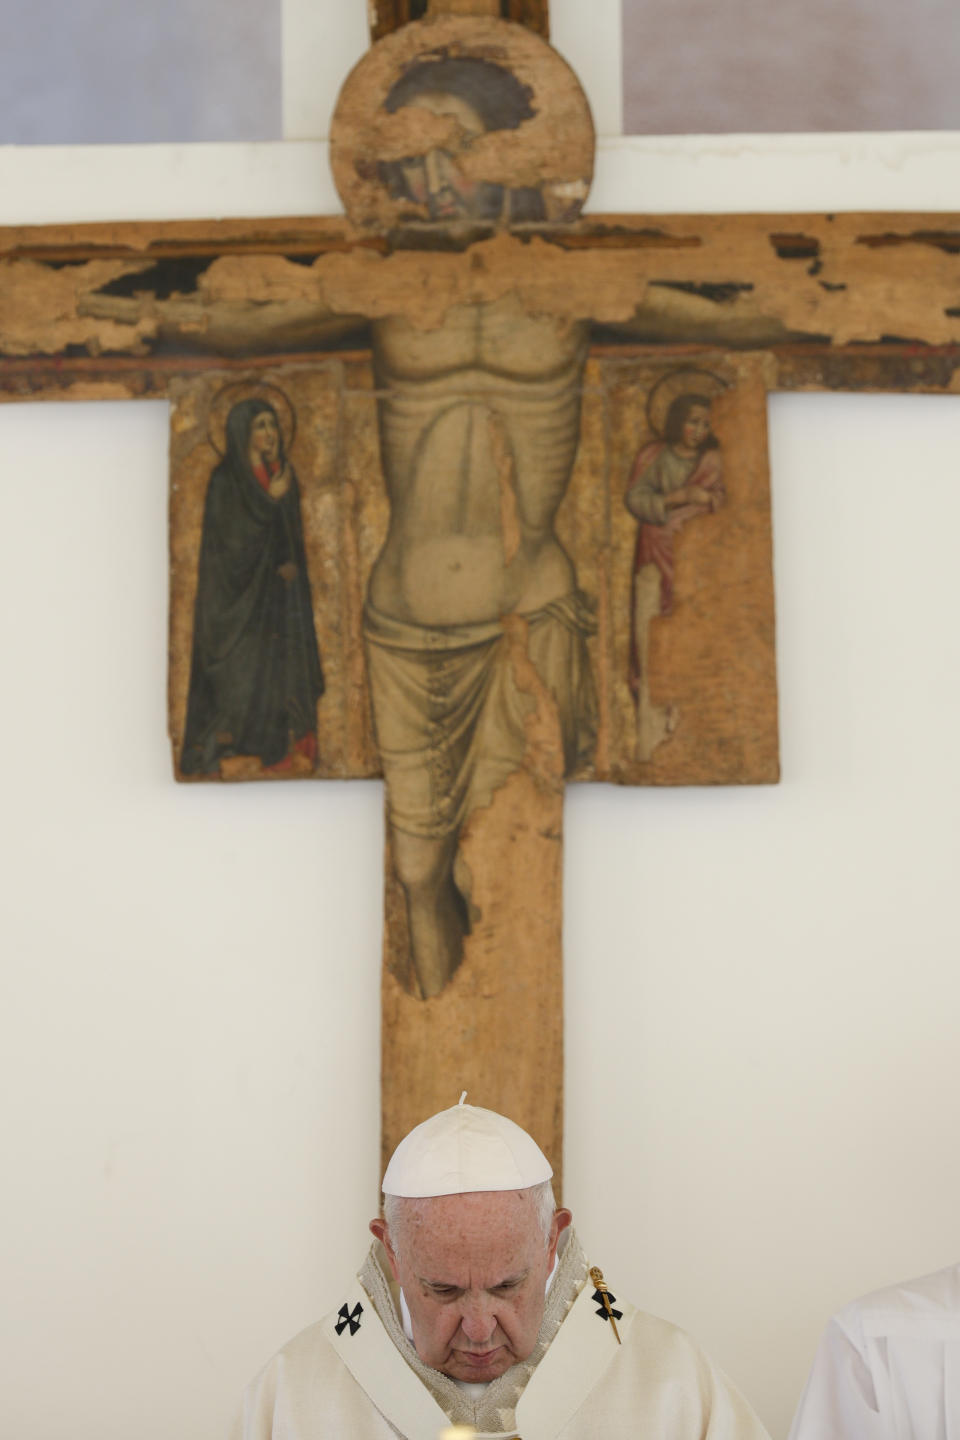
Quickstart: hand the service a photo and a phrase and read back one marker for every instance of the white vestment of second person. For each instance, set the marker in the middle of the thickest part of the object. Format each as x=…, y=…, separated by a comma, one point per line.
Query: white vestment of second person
x=356, y=1374
x=888, y=1366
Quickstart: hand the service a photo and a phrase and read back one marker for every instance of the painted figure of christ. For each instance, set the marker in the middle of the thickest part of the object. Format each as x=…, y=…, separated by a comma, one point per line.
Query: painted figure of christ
x=479, y=425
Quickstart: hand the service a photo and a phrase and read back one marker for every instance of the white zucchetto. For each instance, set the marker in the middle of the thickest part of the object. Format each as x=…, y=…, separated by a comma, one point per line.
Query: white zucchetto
x=461, y=1150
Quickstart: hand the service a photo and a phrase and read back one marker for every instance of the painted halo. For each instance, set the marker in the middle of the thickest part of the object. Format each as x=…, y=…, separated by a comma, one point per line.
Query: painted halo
x=687, y=381
x=549, y=150
x=230, y=395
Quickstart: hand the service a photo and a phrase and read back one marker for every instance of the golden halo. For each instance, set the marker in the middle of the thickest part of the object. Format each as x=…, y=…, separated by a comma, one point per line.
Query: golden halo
x=225, y=399
x=687, y=381
x=551, y=151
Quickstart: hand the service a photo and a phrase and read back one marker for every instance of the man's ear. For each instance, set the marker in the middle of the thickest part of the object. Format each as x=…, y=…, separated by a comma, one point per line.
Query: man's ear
x=561, y=1219
x=379, y=1229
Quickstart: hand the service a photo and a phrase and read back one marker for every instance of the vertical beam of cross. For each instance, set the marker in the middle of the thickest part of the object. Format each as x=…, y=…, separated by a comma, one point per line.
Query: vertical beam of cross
x=389, y=15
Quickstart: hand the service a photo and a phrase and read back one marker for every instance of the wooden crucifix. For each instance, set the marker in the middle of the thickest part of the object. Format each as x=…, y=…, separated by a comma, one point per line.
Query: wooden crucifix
x=476, y=490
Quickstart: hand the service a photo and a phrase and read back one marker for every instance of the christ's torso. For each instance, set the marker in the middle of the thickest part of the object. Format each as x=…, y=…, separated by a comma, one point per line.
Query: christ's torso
x=479, y=422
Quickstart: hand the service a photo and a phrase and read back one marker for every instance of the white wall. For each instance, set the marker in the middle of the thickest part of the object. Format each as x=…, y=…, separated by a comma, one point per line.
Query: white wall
x=762, y=990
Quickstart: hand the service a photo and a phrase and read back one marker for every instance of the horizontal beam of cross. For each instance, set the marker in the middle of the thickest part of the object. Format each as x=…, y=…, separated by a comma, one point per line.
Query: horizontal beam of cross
x=845, y=301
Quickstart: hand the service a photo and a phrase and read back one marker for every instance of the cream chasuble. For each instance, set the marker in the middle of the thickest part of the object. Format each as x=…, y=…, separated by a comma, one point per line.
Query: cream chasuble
x=355, y=1374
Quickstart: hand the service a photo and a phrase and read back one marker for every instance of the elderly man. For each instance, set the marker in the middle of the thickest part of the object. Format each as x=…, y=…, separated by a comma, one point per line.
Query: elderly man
x=476, y=1307
x=888, y=1366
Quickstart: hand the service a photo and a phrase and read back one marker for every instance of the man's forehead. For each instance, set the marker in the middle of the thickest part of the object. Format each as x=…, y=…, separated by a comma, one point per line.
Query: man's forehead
x=510, y=1215
x=444, y=102
x=472, y=1202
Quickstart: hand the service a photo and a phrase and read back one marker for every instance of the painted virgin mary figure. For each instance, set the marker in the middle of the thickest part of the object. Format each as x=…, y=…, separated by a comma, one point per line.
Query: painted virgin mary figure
x=255, y=675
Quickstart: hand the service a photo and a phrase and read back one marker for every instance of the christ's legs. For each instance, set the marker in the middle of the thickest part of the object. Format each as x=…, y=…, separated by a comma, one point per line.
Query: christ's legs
x=436, y=910
x=654, y=722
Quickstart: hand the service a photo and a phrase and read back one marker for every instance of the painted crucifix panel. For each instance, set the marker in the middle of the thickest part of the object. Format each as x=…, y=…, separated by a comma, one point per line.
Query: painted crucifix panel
x=660, y=535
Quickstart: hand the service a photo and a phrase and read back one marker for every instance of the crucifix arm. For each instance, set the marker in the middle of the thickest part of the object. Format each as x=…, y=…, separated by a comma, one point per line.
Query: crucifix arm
x=229, y=327
x=227, y=288
x=694, y=316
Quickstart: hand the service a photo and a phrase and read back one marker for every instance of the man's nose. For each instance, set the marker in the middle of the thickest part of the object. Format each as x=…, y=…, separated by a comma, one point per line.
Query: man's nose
x=437, y=168
x=478, y=1321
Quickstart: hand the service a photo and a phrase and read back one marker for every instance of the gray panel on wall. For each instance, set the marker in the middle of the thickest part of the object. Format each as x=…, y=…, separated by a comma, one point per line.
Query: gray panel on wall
x=117, y=71
x=695, y=66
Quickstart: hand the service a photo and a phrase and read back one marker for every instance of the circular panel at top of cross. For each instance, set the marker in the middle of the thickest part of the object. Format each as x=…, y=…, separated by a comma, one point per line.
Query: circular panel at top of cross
x=456, y=122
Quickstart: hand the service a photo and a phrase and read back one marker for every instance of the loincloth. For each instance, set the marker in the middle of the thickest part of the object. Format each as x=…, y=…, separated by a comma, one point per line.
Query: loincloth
x=451, y=717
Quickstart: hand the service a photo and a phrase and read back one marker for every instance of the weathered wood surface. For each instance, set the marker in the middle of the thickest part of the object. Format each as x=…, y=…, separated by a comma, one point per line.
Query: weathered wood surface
x=844, y=302
x=496, y=1030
